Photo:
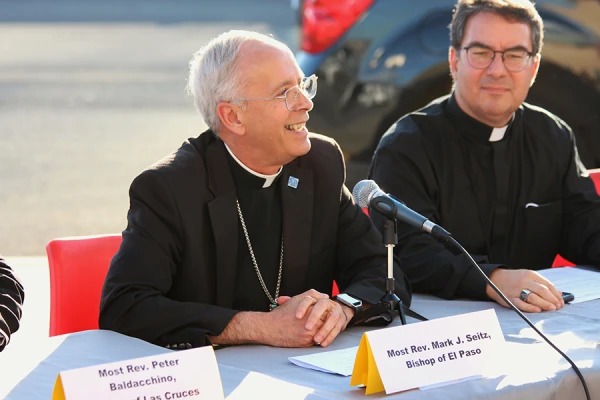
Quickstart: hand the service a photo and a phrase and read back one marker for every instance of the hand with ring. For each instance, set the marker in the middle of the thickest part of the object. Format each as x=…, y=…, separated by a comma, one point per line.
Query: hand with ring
x=526, y=289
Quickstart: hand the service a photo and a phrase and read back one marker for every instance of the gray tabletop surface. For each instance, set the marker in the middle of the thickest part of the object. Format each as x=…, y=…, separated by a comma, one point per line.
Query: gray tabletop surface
x=530, y=369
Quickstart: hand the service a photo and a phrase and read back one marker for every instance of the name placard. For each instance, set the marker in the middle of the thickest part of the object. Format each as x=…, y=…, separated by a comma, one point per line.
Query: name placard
x=189, y=374
x=425, y=353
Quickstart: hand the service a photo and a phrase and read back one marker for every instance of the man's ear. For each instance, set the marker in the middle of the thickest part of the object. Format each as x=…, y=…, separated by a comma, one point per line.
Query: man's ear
x=229, y=115
x=536, y=66
x=453, y=61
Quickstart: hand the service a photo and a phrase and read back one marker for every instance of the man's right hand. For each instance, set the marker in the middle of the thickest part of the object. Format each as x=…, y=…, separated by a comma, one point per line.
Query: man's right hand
x=543, y=296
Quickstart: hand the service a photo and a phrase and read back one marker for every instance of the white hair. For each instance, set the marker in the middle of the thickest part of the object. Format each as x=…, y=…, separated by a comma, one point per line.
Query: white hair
x=214, y=75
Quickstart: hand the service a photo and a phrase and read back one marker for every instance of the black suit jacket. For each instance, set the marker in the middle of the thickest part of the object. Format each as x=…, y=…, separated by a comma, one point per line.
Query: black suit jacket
x=173, y=279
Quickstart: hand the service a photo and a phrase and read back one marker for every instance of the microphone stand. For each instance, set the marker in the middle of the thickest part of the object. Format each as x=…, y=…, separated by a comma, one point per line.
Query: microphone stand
x=390, y=299
x=390, y=304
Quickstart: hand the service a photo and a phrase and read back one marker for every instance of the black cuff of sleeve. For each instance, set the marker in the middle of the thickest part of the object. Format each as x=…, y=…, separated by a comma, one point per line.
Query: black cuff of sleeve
x=473, y=285
x=368, y=295
x=193, y=336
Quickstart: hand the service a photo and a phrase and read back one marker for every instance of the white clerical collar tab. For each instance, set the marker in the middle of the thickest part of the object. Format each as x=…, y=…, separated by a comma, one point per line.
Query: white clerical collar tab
x=498, y=134
x=269, y=179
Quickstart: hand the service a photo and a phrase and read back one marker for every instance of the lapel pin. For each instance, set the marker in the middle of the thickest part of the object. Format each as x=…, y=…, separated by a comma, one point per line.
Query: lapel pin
x=293, y=182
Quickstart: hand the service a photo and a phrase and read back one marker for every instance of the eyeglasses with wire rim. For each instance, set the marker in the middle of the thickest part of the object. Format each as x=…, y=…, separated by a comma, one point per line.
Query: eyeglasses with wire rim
x=481, y=57
x=307, y=87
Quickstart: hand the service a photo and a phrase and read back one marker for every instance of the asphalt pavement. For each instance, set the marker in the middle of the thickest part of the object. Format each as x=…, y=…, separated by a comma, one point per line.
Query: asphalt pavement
x=91, y=93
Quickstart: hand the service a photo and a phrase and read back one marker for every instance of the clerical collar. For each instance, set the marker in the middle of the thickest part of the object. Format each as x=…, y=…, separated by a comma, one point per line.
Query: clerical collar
x=474, y=130
x=265, y=180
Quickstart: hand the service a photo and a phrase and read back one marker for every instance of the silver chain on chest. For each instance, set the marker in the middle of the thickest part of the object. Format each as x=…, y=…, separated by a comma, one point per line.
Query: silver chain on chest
x=272, y=299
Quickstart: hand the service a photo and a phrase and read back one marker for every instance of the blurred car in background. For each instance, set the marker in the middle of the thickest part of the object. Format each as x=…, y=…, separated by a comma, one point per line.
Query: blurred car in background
x=379, y=59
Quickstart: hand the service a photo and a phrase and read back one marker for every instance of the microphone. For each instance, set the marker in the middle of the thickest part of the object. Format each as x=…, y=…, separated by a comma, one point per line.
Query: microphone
x=366, y=193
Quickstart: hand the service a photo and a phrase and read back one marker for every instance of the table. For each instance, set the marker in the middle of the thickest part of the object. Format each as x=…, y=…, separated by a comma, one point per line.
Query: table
x=533, y=370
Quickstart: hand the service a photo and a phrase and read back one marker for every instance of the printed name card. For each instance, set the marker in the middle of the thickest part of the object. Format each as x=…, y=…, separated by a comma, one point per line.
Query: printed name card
x=425, y=353
x=189, y=374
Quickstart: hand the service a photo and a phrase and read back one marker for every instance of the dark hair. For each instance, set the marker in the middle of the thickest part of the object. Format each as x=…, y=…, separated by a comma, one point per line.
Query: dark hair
x=513, y=10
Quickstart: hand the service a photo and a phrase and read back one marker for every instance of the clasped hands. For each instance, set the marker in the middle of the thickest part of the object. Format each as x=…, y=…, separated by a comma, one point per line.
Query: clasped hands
x=307, y=319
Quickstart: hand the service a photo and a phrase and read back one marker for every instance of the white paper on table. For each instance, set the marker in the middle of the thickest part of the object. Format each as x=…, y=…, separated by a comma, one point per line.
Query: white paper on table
x=339, y=362
x=584, y=284
x=258, y=386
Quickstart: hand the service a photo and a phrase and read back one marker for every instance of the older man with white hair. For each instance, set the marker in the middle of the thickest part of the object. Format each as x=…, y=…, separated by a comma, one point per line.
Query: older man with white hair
x=238, y=236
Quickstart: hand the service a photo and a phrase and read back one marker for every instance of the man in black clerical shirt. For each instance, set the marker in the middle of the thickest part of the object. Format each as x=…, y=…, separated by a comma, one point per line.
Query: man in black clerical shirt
x=502, y=176
x=238, y=236
x=11, y=301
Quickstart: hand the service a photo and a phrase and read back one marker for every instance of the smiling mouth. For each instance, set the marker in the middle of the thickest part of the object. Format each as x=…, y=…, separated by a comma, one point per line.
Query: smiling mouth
x=495, y=89
x=296, y=127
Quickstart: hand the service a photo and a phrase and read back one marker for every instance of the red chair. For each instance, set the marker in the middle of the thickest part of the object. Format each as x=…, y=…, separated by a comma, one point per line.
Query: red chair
x=559, y=261
x=335, y=290
x=78, y=266
x=595, y=175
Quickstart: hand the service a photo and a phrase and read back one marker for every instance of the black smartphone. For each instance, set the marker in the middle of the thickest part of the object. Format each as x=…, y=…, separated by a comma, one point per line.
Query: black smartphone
x=568, y=297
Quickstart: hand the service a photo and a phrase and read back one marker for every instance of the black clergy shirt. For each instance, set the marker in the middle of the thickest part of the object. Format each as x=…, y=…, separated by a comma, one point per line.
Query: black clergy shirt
x=440, y=162
x=487, y=165
x=261, y=209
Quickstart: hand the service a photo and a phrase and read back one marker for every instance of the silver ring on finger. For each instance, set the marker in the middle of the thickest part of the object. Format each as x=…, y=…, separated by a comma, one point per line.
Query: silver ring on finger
x=524, y=295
